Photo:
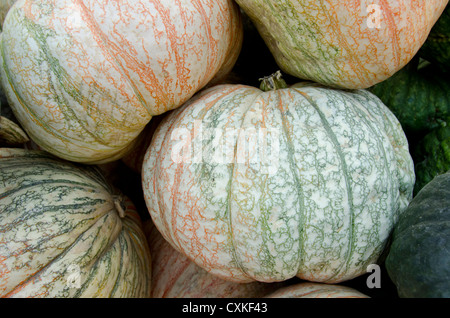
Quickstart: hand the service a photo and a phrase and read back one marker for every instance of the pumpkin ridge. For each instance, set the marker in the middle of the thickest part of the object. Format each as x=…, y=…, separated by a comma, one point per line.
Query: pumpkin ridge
x=7, y=73
x=356, y=65
x=97, y=33
x=198, y=6
x=293, y=38
x=40, y=182
x=370, y=125
x=345, y=173
x=116, y=285
x=173, y=237
x=66, y=250
x=60, y=73
x=137, y=249
x=94, y=268
x=392, y=26
x=373, y=127
x=299, y=187
x=232, y=174
x=156, y=185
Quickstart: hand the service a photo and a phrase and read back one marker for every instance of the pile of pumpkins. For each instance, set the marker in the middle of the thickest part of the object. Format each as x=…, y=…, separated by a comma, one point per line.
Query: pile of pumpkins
x=154, y=148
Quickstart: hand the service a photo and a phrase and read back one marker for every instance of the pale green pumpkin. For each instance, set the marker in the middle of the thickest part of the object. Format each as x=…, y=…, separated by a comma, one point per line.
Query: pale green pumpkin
x=303, y=181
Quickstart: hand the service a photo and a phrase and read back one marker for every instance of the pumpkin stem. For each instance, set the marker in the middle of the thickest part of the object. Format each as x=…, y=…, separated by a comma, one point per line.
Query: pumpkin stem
x=118, y=203
x=272, y=82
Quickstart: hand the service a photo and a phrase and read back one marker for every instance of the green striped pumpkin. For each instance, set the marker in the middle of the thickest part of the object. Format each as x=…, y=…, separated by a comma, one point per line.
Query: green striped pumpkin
x=85, y=77
x=65, y=233
x=303, y=181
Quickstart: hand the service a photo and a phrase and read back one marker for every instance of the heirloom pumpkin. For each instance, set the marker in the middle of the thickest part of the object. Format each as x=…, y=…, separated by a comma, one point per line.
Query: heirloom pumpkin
x=85, y=77
x=419, y=257
x=345, y=44
x=303, y=181
x=65, y=232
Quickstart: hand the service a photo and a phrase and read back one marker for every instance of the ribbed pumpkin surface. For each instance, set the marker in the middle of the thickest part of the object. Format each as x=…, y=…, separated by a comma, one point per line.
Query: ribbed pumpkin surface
x=62, y=233
x=346, y=44
x=85, y=77
x=320, y=205
x=176, y=276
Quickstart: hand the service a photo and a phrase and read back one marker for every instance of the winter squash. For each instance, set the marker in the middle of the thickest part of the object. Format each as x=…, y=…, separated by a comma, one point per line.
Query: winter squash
x=64, y=232
x=175, y=276
x=345, y=44
x=85, y=77
x=418, y=258
x=316, y=290
x=432, y=155
x=303, y=181
x=418, y=95
x=436, y=48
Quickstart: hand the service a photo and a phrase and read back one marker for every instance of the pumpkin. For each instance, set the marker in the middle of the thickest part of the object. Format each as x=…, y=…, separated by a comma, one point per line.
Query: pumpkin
x=316, y=290
x=419, y=258
x=436, y=48
x=432, y=155
x=303, y=181
x=65, y=232
x=418, y=95
x=85, y=77
x=175, y=276
x=344, y=44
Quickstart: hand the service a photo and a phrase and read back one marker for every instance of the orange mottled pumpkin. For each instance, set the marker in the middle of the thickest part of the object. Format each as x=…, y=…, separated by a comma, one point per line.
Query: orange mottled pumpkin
x=343, y=43
x=85, y=77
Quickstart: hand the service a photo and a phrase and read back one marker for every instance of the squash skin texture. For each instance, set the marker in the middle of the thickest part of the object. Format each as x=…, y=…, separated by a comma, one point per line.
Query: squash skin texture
x=85, y=77
x=338, y=43
x=176, y=276
x=342, y=175
x=418, y=258
x=58, y=219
